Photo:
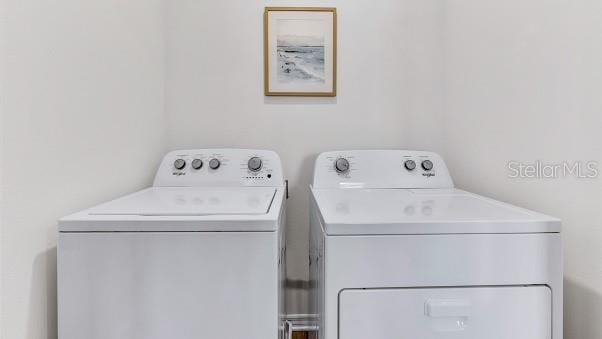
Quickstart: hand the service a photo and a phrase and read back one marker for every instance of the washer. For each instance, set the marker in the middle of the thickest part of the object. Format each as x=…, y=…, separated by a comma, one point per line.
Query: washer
x=200, y=254
x=397, y=252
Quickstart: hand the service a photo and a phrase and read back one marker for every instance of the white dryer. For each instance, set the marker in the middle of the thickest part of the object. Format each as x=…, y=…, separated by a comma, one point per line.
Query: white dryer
x=397, y=252
x=198, y=255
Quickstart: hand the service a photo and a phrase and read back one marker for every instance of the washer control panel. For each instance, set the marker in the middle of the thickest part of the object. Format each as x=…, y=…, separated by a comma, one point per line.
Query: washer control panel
x=220, y=167
x=381, y=169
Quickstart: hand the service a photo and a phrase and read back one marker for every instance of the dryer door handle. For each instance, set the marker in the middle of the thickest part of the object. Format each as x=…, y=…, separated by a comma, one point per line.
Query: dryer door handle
x=448, y=315
x=439, y=308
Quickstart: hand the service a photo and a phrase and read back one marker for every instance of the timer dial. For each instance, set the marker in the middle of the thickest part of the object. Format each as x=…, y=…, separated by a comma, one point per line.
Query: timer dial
x=254, y=164
x=341, y=165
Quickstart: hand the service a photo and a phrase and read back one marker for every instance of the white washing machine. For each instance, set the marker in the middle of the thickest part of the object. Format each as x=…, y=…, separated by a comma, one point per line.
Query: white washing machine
x=198, y=255
x=398, y=252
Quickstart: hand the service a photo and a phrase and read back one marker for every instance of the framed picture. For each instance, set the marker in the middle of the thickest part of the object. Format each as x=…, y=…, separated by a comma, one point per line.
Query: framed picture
x=300, y=51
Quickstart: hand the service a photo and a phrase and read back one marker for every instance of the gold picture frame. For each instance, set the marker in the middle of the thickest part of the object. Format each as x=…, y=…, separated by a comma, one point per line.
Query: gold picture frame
x=300, y=53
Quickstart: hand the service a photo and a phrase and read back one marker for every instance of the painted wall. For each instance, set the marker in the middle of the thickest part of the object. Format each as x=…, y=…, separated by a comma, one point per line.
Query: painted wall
x=83, y=122
x=82, y=88
x=389, y=82
x=523, y=84
x=2, y=79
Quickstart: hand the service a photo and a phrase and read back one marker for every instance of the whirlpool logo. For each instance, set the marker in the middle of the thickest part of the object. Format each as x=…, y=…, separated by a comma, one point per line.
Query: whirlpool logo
x=541, y=170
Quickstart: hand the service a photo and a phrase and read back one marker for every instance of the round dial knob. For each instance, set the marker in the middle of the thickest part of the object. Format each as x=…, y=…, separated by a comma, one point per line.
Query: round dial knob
x=427, y=165
x=197, y=164
x=410, y=165
x=255, y=164
x=214, y=163
x=341, y=165
x=179, y=164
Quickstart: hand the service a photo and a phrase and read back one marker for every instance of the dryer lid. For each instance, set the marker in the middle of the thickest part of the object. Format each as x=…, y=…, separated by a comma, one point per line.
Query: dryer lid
x=191, y=201
x=423, y=211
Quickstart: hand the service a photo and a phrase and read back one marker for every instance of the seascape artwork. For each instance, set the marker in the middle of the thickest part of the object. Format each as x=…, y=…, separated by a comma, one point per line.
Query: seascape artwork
x=300, y=59
x=300, y=51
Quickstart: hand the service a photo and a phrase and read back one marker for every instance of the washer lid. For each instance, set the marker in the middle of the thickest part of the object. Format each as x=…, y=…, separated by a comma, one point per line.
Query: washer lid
x=423, y=211
x=191, y=201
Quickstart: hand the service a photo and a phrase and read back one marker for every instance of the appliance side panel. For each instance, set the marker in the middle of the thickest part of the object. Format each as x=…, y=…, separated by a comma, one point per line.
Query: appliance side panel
x=316, y=267
x=282, y=265
x=168, y=285
x=556, y=265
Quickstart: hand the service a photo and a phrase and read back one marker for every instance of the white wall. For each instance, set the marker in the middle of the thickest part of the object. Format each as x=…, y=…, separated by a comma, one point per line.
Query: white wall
x=2, y=55
x=82, y=85
x=389, y=81
x=523, y=82
x=83, y=122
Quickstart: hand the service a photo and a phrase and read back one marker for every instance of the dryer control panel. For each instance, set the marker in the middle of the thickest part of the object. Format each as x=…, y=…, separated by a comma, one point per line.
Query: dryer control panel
x=381, y=169
x=220, y=167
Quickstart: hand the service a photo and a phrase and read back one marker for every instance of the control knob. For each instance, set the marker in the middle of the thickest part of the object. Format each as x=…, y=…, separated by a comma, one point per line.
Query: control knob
x=254, y=164
x=410, y=165
x=341, y=165
x=179, y=164
x=214, y=163
x=427, y=165
x=197, y=164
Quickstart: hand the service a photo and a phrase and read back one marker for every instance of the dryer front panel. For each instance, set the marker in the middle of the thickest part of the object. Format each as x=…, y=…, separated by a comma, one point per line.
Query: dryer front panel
x=521, y=312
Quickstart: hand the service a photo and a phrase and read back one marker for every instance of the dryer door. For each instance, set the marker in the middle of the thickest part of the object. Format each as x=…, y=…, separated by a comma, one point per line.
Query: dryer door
x=446, y=313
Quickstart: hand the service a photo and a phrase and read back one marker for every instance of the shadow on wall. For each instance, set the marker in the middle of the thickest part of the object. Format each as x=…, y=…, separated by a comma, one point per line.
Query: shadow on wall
x=43, y=293
x=295, y=100
x=582, y=311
